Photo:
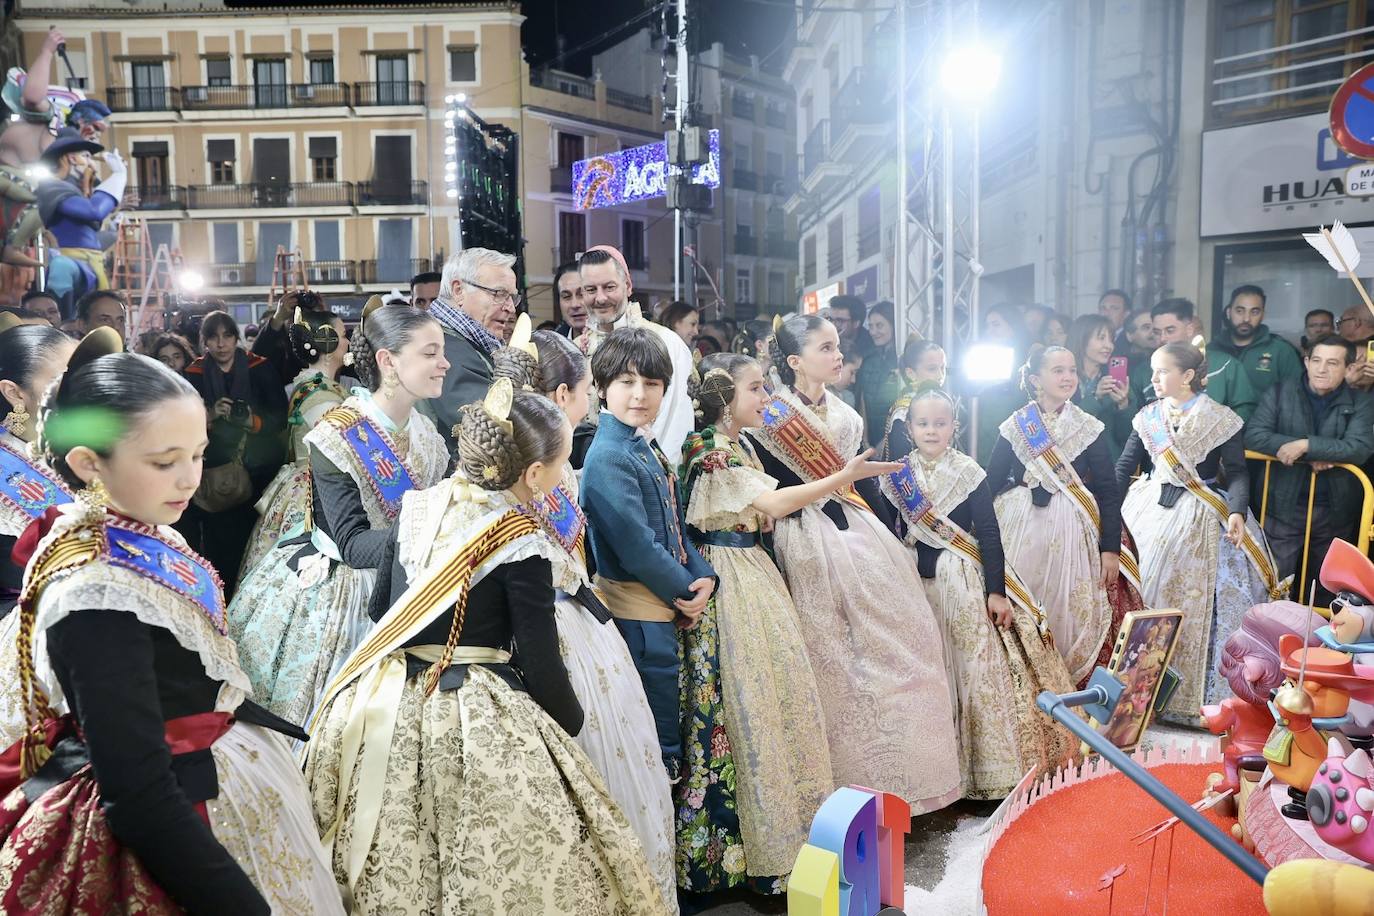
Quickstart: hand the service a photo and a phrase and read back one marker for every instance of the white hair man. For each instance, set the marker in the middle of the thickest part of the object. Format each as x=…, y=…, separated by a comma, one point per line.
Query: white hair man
x=477, y=301
x=606, y=289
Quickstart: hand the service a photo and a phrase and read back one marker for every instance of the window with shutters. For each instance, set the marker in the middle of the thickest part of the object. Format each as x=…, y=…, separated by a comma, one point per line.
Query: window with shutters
x=324, y=158
x=321, y=70
x=462, y=64
x=221, y=156
x=217, y=71
x=572, y=236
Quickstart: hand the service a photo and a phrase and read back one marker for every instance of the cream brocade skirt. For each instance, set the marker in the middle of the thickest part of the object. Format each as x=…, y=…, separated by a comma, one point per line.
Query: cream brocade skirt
x=618, y=732
x=488, y=807
x=771, y=708
x=1056, y=554
x=875, y=650
x=262, y=818
x=996, y=675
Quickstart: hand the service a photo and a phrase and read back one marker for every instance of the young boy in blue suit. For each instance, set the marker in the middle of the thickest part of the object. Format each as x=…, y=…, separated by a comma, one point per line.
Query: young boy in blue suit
x=648, y=573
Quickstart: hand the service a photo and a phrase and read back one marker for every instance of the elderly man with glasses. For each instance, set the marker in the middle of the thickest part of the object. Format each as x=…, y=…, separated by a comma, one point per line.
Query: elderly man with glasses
x=476, y=305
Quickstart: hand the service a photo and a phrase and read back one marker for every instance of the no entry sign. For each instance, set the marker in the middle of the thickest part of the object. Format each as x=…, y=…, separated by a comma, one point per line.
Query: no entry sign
x=1352, y=114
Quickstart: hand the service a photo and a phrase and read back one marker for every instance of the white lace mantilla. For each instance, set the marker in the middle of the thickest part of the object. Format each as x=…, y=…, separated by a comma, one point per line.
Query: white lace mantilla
x=842, y=425
x=435, y=523
x=1206, y=426
x=1073, y=430
x=425, y=458
x=105, y=586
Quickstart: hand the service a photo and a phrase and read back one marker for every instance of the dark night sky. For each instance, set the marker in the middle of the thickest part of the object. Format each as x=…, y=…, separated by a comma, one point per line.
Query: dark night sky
x=746, y=26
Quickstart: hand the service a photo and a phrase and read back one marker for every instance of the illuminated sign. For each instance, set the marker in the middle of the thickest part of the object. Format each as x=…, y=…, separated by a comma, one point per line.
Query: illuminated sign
x=635, y=174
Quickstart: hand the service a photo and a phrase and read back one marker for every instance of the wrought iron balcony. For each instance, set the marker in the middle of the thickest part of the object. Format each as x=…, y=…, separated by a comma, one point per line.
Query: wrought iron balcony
x=396, y=92
x=391, y=193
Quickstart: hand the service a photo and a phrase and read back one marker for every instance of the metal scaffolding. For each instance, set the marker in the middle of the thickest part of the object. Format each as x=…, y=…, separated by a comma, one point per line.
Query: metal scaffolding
x=935, y=284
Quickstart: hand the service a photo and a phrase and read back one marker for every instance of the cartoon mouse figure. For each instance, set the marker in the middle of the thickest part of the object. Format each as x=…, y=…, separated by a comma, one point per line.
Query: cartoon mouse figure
x=1340, y=803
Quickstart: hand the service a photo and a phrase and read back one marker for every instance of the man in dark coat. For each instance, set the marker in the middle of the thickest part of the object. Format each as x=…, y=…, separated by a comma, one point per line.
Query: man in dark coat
x=1312, y=423
x=477, y=300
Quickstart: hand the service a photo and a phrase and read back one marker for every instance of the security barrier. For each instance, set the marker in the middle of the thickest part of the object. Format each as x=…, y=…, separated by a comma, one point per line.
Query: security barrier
x=1366, y=524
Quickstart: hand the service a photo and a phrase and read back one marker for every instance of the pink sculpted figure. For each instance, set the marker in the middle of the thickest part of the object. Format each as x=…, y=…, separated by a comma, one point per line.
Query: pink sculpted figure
x=1340, y=802
x=1250, y=663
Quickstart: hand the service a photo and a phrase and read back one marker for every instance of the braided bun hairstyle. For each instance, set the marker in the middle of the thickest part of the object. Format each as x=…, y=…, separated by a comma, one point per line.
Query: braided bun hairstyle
x=712, y=388
x=1035, y=362
x=495, y=459
x=788, y=339
x=1185, y=357
x=313, y=336
x=389, y=328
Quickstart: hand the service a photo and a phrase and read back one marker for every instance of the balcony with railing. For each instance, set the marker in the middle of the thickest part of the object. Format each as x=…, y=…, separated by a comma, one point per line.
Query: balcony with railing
x=814, y=148
x=162, y=197
x=560, y=179
x=745, y=243
x=1282, y=62
x=858, y=111
x=744, y=179
x=395, y=270
x=391, y=193
x=264, y=195
x=322, y=273
x=244, y=274
x=629, y=100
x=388, y=93
x=142, y=98
x=264, y=95
x=566, y=83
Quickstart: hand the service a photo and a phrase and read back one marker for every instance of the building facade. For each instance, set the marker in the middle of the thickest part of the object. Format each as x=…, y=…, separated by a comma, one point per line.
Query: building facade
x=1167, y=149
x=317, y=130
x=748, y=235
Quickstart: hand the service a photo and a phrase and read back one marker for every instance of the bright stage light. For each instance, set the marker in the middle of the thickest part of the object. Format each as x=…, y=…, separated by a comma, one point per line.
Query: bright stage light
x=989, y=363
x=969, y=73
x=190, y=281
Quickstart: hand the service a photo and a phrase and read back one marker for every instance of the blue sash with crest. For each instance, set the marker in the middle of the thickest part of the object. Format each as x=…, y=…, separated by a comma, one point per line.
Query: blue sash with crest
x=145, y=552
x=388, y=474
x=30, y=489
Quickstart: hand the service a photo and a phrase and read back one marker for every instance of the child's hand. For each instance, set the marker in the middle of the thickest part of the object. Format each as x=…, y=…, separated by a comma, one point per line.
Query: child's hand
x=701, y=590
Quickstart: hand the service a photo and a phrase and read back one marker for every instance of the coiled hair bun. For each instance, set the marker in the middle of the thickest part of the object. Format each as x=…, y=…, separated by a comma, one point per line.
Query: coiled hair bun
x=712, y=387
x=312, y=335
x=494, y=455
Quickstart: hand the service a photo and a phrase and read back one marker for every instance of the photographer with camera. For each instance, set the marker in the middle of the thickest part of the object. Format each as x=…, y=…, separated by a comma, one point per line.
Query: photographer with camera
x=247, y=424
x=273, y=342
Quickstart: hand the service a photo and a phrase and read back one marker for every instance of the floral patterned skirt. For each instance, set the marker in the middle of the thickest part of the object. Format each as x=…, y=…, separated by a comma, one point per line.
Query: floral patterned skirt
x=58, y=856
x=488, y=807
x=282, y=507
x=294, y=638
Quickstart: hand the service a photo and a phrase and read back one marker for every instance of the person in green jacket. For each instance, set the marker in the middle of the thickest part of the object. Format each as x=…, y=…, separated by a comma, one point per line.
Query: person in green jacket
x=1175, y=321
x=1099, y=393
x=1267, y=358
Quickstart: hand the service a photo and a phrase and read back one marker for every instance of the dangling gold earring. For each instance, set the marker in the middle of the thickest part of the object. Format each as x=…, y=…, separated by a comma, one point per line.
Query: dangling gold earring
x=93, y=499
x=17, y=421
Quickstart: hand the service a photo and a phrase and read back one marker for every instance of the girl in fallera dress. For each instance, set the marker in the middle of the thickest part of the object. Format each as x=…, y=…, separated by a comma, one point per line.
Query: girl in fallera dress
x=997, y=644
x=1059, y=510
x=442, y=769
x=31, y=356
x=319, y=341
x=1200, y=551
x=757, y=766
x=618, y=733
x=304, y=607
x=922, y=363
x=161, y=788
x=873, y=641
